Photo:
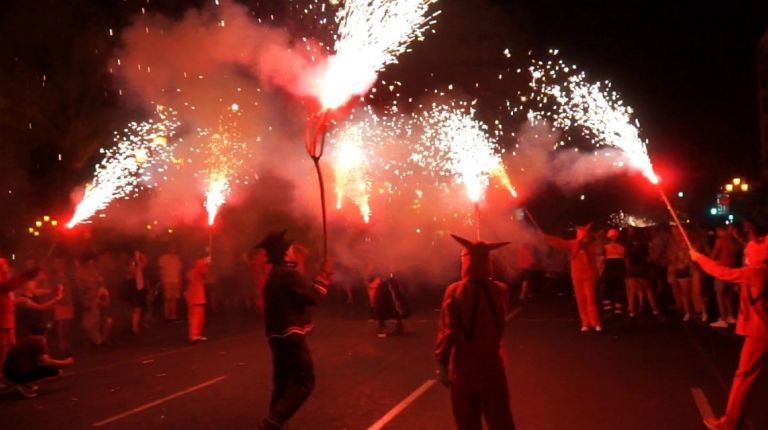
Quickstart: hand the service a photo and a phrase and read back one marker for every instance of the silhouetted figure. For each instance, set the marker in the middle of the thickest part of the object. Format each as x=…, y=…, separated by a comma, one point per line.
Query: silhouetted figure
x=468, y=346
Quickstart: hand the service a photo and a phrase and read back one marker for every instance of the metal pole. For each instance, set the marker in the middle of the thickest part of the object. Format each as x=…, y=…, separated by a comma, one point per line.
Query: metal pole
x=676, y=219
x=477, y=219
x=531, y=218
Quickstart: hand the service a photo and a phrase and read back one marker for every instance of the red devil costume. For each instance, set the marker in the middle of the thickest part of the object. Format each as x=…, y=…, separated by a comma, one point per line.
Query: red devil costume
x=469, y=342
x=388, y=303
x=196, y=299
x=583, y=276
x=752, y=324
x=287, y=298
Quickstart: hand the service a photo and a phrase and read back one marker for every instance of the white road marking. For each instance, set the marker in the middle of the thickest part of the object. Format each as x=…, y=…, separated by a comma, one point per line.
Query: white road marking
x=139, y=360
x=513, y=313
x=389, y=416
x=705, y=409
x=159, y=401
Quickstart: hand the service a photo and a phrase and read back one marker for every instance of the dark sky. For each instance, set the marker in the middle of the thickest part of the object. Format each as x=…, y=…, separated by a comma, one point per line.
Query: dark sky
x=687, y=67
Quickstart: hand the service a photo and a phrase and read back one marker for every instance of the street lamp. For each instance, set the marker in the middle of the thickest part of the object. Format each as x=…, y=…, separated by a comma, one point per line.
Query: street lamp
x=745, y=187
x=736, y=181
x=729, y=188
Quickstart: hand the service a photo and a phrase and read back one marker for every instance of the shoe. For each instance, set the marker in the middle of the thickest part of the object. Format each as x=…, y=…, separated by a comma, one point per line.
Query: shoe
x=398, y=329
x=687, y=317
x=719, y=324
x=656, y=313
x=731, y=320
x=198, y=339
x=381, y=335
x=266, y=424
x=27, y=390
x=598, y=329
x=632, y=314
x=704, y=318
x=584, y=329
x=715, y=423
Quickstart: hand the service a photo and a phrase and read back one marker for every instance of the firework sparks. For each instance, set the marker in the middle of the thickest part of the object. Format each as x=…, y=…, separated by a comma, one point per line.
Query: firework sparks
x=595, y=107
x=226, y=152
x=351, y=167
x=371, y=34
x=624, y=220
x=369, y=150
x=141, y=151
x=457, y=145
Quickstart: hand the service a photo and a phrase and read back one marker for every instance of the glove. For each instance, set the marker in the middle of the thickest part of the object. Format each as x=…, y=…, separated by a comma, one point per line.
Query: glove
x=695, y=256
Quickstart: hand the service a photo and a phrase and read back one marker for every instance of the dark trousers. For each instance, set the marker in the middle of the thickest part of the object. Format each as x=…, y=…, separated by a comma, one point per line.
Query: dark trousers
x=481, y=395
x=293, y=377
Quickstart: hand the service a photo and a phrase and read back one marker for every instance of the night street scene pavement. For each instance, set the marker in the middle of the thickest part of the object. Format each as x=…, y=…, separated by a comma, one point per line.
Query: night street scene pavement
x=646, y=373
x=384, y=214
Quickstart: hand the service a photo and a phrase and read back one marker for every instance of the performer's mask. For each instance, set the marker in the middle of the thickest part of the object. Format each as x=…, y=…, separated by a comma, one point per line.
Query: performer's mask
x=476, y=258
x=276, y=246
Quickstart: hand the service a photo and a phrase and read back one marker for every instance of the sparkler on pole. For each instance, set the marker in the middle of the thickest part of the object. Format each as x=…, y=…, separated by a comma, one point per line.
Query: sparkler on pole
x=676, y=219
x=226, y=152
x=477, y=219
x=371, y=34
x=129, y=166
x=458, y=146
x=531, y=218
x=314, y=140
x=602, y=114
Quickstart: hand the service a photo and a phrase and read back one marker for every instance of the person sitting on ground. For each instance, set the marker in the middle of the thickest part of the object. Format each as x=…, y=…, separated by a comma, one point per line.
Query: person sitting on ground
x=28, y=362
x=32, y=309
x=8, y=283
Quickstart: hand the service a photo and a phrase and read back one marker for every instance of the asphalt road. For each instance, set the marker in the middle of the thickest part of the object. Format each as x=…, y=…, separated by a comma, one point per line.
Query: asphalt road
x=640, y=374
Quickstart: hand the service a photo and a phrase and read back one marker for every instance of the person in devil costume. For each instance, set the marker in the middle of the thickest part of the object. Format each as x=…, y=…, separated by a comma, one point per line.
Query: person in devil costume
x=752, y=324
x=583, y=276
x=468, y=346
x=388, y=303
x=287, y=299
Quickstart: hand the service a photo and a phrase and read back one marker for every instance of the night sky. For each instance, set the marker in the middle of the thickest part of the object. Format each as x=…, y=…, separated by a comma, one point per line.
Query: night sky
x=687, y=67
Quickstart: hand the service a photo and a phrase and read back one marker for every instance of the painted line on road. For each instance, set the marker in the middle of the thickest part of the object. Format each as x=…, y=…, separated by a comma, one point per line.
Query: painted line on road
x=400, y=407
x=513, y=313
x=159, y=401
x=702, y=403
x=138, y=360
x=389, y=416
x=713, y=369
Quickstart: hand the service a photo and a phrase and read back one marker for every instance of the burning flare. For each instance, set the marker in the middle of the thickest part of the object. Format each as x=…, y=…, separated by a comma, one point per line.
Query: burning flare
x=128, y=166
x=457, y=145
x=226, y=153
x=350, y=160
x=371, y=34
x=595, y=107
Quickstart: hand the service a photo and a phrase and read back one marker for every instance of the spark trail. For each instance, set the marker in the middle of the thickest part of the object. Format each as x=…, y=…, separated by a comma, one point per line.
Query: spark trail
x=141, y=151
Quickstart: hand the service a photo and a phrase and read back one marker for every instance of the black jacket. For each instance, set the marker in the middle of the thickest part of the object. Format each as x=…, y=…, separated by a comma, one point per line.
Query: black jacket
x=287, y=298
